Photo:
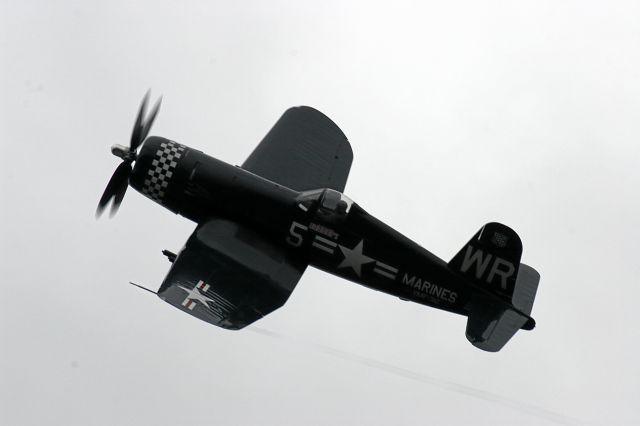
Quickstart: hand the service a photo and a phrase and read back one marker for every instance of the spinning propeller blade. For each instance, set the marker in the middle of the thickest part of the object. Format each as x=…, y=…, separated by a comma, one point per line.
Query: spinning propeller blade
x=150, y=119
x=117, y=186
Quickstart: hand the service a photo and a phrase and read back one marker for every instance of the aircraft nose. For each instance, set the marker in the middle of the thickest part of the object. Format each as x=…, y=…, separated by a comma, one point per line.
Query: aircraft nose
x=155, y=167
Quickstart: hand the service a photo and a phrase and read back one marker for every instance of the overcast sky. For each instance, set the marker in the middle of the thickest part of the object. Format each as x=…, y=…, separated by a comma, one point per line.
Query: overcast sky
x=459, y=113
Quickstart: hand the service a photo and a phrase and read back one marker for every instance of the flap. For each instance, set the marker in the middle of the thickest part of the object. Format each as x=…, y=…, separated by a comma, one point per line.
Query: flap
x=304, y=150
x=230, y=276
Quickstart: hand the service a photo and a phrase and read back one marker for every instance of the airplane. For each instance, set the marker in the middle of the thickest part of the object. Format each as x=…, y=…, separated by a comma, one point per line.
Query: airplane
x=260, y=225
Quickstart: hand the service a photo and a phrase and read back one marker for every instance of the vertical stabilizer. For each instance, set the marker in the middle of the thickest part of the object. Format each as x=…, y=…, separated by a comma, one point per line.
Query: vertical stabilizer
x=491, y=259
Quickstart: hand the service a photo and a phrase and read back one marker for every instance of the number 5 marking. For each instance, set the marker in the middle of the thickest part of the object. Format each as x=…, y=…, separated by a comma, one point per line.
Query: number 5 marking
x=294, y=238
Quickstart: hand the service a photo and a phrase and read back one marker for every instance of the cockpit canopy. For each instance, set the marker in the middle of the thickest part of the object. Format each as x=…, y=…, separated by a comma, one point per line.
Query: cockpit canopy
x=328, y=205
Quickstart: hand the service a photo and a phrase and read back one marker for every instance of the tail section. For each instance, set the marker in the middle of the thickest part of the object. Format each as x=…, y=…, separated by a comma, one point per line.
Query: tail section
x=526, y=287
x=490, y=325
x=491, y=259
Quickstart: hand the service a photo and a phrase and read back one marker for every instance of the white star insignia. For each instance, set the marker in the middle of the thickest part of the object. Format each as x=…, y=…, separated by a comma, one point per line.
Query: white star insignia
x=194, y=294
x=354, y=258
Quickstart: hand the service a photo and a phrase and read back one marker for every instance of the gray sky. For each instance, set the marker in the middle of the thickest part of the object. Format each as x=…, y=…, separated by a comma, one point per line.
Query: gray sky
x=459, y=113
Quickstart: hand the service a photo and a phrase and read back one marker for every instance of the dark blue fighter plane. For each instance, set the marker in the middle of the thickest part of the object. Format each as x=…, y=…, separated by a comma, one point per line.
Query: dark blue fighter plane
x=261, y=224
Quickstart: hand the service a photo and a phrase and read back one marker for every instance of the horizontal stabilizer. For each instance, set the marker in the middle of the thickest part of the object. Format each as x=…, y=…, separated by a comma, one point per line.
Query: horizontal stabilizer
x=491, y=325
x=526, y=287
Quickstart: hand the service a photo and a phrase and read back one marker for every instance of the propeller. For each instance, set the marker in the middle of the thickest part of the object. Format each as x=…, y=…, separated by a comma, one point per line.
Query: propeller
x=119, y=181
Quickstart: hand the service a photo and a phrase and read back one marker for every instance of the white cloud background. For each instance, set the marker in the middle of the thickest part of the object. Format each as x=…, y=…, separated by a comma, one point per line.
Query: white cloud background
x=459, y=113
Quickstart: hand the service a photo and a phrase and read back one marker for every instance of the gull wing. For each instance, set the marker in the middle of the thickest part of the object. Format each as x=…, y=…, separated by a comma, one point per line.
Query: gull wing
x=230, y=276
x=304, y=150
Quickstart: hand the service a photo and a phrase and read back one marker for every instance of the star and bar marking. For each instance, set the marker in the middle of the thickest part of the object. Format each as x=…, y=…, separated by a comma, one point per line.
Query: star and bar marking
x=354, y=258
x=194, y=295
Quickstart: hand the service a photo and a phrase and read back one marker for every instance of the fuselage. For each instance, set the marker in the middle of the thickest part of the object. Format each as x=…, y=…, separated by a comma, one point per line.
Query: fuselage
x=323, y=227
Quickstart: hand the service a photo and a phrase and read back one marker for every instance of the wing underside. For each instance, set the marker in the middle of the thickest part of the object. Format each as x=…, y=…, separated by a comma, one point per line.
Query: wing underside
x=230, y=276
x=304, y=150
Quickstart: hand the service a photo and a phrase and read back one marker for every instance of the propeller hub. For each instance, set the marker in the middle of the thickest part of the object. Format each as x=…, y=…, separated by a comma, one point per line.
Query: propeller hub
x=123, y=152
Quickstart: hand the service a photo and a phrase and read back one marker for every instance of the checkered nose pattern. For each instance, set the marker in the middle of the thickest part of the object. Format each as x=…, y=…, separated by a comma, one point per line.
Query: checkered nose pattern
x=162, y=168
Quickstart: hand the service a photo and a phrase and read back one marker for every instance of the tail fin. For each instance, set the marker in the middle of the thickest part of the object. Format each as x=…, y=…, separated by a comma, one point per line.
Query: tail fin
x=492, y=259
